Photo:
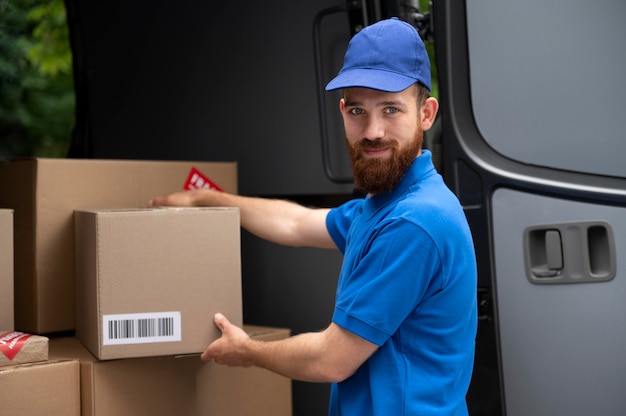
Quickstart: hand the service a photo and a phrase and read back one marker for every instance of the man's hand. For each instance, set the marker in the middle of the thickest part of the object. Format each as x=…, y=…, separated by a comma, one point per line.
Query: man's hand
x=177, y=199
x=230, y=349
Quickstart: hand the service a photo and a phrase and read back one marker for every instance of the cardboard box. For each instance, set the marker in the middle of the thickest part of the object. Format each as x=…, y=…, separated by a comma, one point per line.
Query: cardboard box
x=177, y=385
x=20, y=348
x=41, y=389
x=149, y=281
x=6, y=269
x=44, y=194
x=236, y=391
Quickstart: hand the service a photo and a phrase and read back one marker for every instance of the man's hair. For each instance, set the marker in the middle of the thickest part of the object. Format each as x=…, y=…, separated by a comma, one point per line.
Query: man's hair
x=422, y=94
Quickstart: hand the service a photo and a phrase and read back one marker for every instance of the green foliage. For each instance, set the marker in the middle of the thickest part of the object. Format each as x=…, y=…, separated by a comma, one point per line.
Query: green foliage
x=424, y=7
x=36, y=85
x=430, y=48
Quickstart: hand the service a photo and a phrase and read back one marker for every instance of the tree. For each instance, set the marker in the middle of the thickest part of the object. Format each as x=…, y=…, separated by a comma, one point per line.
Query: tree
x=37, y=98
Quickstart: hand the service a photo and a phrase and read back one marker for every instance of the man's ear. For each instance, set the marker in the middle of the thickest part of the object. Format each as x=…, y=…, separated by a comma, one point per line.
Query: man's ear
x=429, y=112
x=342, y=104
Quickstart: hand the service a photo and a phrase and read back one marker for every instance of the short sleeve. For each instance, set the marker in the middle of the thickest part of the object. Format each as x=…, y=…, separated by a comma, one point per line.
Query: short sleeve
x=338, y=222
x=397, y=268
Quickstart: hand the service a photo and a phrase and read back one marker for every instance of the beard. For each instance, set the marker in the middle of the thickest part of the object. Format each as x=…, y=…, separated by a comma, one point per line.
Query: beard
x=382, y=175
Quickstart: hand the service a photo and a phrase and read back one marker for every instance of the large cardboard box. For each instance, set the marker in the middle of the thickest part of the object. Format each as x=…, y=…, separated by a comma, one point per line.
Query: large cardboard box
x=44, y=194
x=41, y=389
x=149, y=281
x=6, y=269
x=177, y=385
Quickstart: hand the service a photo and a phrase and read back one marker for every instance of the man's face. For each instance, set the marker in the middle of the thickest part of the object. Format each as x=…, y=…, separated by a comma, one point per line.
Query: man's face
x=383, y=135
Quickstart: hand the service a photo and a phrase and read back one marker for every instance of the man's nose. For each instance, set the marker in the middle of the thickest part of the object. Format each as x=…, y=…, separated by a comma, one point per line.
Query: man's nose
x=374, y=128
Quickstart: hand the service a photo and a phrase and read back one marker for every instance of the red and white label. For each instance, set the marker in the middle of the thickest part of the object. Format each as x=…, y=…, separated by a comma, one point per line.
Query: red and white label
x=11, y=343
x=197, y=180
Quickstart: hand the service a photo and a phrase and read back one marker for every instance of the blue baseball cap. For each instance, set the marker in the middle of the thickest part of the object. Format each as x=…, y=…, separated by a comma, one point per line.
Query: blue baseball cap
x=387, y=56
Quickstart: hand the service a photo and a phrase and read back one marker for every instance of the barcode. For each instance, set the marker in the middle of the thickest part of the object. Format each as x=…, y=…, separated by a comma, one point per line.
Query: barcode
x=141, y=328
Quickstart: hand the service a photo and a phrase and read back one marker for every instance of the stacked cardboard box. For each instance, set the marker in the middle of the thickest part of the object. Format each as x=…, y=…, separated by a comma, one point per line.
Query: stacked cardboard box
x=30, y=384
x=6, y=269
x=139, y=286
x=40, y=389
x=44, y=194
x=20, y=348
x=176, y=385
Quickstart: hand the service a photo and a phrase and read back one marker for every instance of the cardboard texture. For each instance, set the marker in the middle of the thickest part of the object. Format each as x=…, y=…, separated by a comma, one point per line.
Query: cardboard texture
x=19, y=348
x=41, y=389
x=177, y=385
x=44, y=194
x=6, y=269
x=149, y=281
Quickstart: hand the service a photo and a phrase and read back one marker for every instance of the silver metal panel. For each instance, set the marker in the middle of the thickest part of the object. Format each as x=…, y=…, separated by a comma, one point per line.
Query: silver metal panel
x=547, y=81
x=562, y=346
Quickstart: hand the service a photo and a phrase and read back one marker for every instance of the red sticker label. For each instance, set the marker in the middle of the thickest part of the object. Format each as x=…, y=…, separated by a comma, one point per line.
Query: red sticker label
x=12, y=342
x=197, y=180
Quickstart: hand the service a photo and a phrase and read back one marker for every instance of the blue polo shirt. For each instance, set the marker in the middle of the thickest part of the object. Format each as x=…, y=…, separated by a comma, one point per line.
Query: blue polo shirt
x=407, y=284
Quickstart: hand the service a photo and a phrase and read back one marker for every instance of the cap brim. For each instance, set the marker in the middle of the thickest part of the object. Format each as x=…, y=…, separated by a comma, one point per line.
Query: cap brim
x=370, y=78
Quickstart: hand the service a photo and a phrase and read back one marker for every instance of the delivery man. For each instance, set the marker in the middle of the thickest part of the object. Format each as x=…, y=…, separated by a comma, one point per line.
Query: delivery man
x=401, y=340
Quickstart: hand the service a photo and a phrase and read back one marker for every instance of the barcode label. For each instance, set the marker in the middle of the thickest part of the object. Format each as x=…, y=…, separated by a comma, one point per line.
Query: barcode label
x=141, y=328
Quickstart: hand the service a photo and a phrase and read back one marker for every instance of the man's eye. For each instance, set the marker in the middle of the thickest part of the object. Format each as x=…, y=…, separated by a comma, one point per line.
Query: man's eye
x=357, y=111
x=391, y=110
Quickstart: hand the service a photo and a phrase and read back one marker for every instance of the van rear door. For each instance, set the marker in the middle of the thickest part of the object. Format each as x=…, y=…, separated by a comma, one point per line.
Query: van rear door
x=533, y=108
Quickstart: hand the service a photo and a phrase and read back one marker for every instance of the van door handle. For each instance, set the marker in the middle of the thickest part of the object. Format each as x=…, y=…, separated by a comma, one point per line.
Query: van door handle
x=573, y=252
x=554, y=252
x=546, y=253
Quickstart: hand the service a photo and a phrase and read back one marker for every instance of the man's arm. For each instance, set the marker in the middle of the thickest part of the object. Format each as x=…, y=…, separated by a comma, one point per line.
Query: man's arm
x=328, y=356
x=279, y=221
